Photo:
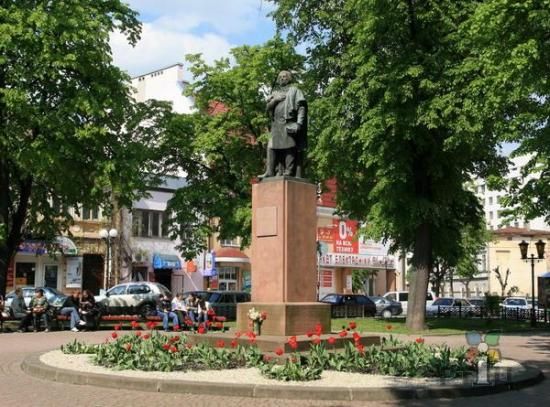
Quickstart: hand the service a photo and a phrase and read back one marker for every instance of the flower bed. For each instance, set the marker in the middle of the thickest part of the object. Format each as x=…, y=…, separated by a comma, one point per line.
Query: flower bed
x=155, y=351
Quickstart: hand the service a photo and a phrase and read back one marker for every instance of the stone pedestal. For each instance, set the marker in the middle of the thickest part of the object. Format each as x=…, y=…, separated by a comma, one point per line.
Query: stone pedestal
x=284, y=259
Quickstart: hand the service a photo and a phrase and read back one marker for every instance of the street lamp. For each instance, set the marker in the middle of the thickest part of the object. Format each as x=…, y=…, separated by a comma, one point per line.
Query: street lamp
x=540, y=256
x=108, y=236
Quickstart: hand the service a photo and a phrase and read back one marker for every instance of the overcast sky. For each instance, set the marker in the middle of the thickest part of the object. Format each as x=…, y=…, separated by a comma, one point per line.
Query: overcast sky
x=173, y=28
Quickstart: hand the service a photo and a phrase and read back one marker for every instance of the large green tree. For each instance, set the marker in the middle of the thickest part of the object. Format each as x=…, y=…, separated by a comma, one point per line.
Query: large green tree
x=221, y=147
x=511, y=41
x=69, y=134
x=397, y=125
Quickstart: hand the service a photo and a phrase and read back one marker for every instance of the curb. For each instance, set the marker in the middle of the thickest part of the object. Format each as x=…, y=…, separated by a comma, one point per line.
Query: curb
x=34, y=367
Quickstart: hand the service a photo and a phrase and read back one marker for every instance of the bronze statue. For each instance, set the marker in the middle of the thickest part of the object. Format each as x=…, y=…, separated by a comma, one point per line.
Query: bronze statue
x=287, y=109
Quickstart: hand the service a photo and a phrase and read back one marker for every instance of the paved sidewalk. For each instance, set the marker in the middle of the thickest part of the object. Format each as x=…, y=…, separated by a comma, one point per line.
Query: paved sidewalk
x=17, y=388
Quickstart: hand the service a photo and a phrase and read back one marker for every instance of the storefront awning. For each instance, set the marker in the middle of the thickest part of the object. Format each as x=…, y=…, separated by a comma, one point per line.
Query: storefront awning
x=230, y=255
x=166, y=261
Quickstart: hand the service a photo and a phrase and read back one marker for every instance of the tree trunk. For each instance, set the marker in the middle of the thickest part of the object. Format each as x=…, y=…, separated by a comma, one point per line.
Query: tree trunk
x=422, y=262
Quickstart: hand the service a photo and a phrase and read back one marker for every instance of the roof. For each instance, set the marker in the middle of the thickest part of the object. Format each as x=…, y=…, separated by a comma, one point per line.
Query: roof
x=508, y=231
x=231, y=255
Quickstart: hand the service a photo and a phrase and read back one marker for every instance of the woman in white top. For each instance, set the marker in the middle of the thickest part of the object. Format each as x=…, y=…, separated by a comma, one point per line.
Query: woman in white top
x=178, y=306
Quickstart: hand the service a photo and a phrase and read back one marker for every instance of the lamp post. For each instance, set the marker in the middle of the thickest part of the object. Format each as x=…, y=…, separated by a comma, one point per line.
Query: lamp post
x=540, y=256
x=108, y=236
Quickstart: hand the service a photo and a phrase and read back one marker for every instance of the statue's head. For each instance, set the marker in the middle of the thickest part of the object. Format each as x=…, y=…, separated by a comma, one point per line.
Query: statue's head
x=284, y=78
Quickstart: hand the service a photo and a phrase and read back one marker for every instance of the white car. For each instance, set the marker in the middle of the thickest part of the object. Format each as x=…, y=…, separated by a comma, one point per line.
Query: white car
x=403, y=298
x=515, y=303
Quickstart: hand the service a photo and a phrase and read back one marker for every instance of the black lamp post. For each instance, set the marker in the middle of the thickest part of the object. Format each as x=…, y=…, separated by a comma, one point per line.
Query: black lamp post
x=540, y=256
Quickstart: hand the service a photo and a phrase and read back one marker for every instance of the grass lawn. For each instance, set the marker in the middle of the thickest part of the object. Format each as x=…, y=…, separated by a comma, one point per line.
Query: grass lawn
x=436, y=326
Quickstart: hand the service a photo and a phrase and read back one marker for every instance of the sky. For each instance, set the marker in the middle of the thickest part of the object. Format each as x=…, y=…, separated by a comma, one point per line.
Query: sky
x=173, y=28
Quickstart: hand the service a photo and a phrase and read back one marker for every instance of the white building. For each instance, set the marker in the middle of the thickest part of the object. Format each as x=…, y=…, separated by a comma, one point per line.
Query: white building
x=166, y=84
x=154, y=254
x=492, y=203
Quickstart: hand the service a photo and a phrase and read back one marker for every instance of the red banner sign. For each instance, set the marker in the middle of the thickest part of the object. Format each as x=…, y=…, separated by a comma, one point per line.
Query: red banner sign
x=343, y=234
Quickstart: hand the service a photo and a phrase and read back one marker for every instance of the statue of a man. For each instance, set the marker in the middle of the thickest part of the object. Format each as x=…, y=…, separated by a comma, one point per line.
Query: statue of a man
x=287, y=109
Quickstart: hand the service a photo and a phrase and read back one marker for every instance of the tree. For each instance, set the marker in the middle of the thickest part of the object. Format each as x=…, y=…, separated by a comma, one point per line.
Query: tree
x=510, y=38
x=502, y=280
x=69, y=134
x=395, y=124
x=221, y=147
x=474, y=241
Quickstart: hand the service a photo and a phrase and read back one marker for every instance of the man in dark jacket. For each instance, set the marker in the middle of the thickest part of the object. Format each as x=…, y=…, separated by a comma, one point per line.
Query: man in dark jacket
x=39, y=307
x=20, y=310
x=70, y=307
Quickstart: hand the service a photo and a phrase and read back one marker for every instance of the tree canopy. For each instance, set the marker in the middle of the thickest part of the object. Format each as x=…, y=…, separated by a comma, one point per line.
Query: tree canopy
x=69, y=134
x=399, y=123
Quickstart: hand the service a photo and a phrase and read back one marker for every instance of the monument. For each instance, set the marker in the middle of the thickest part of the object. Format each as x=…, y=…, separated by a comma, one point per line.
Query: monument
x=284, y=226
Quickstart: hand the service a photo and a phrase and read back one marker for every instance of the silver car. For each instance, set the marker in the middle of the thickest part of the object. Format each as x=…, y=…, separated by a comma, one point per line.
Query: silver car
x=54, y=297
x=132, y=298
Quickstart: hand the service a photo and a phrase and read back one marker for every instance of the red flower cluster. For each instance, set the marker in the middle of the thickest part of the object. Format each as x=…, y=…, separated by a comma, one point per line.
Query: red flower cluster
x=146, y=336
x=174, y=339
x=360, y=348
x=134, y=324
x=234, y=343
x=118, y=327
x=173, y=349
x=343, y=333
x=220, y=343
x=292, y=342
x=352, y=325
x=176, y=328
x=263, y=315
x=188, y=322
x=331, y=340
x=318, y=329
x=316, y=341
x=138, y=334
x=114, y=335
x=201, y=330
x=151, y=324
x=419, y=340
x=166, y=346
x=279, y=351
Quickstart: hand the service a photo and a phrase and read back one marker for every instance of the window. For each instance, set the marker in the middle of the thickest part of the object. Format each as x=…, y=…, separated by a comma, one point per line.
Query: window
x=491, y=215
x=230, y=242
x=118, y=290
x=147, y=223
x=490, y=200
x=138, y=289
x=87, y=213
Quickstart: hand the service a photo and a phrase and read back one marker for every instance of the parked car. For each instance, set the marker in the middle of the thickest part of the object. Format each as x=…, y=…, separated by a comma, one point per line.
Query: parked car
x=224, y=303
x=449, y=306
x=386, y=308
x=515, y=303
x=403, y=298
x=54, y=297
x=358, y=305
x=477, y=302
x=132, y=298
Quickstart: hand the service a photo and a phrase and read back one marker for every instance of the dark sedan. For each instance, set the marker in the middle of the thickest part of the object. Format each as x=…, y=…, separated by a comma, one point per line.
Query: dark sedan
x=350, y=305
x=386, y=308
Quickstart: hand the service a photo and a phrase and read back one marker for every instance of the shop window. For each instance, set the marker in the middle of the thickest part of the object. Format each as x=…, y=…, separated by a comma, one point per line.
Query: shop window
x=25, y=274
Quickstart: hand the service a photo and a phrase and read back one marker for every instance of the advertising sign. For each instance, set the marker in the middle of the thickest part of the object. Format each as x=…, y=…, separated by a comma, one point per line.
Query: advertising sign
x=74, y=272
x=209, y=264
x=345, y=241
x=356, y=260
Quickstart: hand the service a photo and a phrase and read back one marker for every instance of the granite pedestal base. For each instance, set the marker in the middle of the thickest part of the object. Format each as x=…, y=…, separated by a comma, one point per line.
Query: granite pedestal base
x=286, y=319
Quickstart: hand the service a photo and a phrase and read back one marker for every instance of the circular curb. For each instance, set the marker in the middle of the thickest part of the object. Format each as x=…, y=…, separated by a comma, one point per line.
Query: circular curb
x=33, y=366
